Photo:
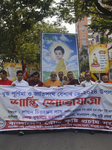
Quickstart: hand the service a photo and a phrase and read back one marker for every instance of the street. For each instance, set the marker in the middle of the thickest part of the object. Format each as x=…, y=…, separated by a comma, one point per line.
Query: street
x=56, y=140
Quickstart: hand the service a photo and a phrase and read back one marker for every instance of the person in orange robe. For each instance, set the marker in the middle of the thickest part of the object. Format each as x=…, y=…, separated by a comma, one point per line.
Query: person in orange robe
x=53, y=81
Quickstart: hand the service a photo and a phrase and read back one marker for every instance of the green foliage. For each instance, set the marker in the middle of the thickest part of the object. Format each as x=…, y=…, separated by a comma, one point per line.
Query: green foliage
x=84, y=65
x=16, y=17
x=84, y=52
x=99, y=24
x=31, y=46
x=73, y=10
x=28, y=43
x=21, y=27
x=105, y=40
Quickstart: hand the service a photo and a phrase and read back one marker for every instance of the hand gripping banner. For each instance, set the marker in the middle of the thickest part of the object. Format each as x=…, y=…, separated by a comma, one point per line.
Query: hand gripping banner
x=67, y=107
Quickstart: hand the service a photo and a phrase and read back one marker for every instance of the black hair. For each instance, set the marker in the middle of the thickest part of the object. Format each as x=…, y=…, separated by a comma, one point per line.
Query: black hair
x=69, y=72
x=59, y=48
x=36, y=73
x=87, y=72
x=19, y=71
x=4, y=72
x=81, y=76
x=60, y=71
x=31, y=75
x=102, y=74
x=27, y=78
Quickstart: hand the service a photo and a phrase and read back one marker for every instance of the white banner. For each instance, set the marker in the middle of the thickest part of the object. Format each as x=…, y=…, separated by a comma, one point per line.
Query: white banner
x=27, y=108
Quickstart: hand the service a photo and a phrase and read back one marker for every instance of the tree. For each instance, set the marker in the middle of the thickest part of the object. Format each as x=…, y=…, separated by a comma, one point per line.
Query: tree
x=31, y=46
x=101, y=25
x=72, y=10
x=28, y=44
x=16, y=17
x=84, y=65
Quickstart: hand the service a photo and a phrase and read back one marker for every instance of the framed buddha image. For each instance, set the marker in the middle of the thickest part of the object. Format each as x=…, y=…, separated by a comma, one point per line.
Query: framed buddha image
x=59, y=52
x=98, y=58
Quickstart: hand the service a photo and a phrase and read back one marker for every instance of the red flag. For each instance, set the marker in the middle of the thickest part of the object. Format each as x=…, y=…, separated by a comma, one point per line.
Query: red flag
x=25, y=73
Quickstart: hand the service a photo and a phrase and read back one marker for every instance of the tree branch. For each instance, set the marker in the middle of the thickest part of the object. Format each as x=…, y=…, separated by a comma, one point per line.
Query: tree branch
x=102, y=9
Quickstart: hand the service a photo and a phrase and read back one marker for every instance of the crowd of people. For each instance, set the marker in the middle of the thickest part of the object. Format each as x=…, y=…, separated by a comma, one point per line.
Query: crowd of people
x=34, y=79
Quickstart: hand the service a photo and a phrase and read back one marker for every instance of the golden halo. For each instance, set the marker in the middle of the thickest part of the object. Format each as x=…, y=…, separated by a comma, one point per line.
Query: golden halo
x=64, y=46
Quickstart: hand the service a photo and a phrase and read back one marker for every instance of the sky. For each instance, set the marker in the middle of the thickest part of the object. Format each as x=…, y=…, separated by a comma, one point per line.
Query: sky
x=70, y=28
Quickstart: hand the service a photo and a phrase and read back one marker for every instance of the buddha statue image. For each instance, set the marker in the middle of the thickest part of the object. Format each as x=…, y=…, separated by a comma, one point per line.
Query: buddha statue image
x=95, y=60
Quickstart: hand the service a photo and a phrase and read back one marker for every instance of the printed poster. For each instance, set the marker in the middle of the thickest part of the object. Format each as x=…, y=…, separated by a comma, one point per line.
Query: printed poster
x=18, y=66
x=11, y=69
x=31, y=69
x=59, y=53
x=98, y=58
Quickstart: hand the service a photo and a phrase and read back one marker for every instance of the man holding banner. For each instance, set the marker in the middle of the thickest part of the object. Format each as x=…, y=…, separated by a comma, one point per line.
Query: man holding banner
x=35, y=81
x=53, y=81
x=87, y=79
x=71, y=80
x=20, y=81
x=4, y=80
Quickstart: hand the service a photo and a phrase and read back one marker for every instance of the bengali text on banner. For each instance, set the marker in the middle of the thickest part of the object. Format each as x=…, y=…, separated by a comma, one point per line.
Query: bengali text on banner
x=67, y=107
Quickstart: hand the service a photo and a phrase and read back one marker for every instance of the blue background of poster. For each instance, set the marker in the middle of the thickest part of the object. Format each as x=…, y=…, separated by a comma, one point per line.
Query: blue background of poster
x=69, y=43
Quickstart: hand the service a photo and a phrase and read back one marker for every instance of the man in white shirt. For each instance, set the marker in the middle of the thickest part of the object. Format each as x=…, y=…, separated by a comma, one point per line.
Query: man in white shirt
x=20, y=81
x=87, y=79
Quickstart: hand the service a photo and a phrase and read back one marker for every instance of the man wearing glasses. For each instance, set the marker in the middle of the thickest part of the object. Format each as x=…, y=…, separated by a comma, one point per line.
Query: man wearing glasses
x=53, y=81
x=71, y=80
x=87, y=79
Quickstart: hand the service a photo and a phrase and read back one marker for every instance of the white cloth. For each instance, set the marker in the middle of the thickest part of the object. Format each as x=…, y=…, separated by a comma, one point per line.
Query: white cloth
x=88, y=83
x=21, y=83
x=98, y=82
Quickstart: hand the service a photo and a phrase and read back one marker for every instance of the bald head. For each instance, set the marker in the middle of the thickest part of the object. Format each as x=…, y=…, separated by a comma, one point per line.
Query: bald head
x=53, y=75
x=105, y=79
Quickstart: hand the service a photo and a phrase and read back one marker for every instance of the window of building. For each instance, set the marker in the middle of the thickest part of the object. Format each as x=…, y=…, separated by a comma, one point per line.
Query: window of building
x=83, y=30
x=83, y=25
x=83, y=20
x=83, y=36
x=97, y=38
x=84, y=42
x=89, y=36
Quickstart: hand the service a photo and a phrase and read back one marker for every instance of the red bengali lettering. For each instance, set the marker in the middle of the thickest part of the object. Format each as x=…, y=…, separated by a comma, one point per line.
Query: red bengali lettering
x=29, y=101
